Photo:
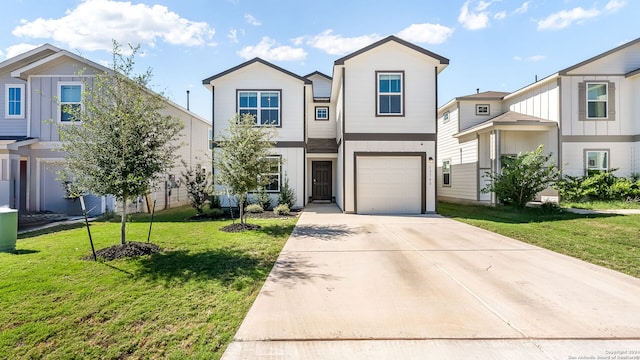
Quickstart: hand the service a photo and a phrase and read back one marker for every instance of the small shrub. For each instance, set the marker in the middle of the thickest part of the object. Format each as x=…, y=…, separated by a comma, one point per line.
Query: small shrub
x=282, y=209
x=570, y=188
x=254, y=208
x=216, y=213
x=198, y=185
x=550, y=207
x=287, y=195
x=214, y=202
x=262, y=198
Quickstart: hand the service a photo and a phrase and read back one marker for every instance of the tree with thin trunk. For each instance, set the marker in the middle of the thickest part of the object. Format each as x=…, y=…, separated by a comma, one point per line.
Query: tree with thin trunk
x=242, y=157
x=119, y=141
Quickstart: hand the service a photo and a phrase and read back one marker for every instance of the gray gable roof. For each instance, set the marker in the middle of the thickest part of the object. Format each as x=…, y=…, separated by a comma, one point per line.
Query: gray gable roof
x=208, y=80
x=396, y=39
x=485, y=95
x=318, y=73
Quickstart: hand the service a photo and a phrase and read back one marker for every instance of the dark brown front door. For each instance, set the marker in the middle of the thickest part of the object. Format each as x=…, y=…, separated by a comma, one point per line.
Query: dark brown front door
x=321, y=172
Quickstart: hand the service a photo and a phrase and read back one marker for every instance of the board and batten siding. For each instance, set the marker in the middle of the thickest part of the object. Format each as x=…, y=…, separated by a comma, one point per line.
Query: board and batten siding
x=257, y=76
x=621, y=156
x=571, y=123
x=542, y=101
x=463, y=157
x=419, y=91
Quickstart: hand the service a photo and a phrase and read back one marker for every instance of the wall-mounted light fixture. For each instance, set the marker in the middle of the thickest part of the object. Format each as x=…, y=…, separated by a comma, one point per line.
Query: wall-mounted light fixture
x=430, y=160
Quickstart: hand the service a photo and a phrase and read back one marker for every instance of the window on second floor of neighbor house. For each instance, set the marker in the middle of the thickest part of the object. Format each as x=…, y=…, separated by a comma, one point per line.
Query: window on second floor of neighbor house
x=482, y=109
x=446, y=172
x=264, y=106
x=14, y=104
x=390, y=93
x=597, y=100
x=70, y=97
x=597, y=161
x=322, y=113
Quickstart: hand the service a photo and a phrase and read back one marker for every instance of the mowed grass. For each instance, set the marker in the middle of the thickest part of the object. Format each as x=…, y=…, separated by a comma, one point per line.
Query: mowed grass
x=612, y=241
x=602, y=205
x=186, y=302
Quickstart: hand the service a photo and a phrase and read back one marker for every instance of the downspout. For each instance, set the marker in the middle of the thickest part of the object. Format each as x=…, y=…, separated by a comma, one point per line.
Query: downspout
x=435, y=155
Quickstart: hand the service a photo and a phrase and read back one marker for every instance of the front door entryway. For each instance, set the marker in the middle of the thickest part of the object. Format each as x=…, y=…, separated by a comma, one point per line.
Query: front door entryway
x=321, y=180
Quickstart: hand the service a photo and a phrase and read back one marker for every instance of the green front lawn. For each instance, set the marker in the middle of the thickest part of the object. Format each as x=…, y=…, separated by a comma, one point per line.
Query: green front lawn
x=602, y=205
x=186, y=302
x=611, y=241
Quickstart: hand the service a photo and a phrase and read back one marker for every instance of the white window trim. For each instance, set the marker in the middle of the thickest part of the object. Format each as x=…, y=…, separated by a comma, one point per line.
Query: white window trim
x=445, y=117
x=443, y=172
x=586, y=160
x=258, y=105
x=22, y=101
x=478, y=112
x=278, y=158
x=60, y=85
x=606, y=113
x=401, y=93
x=319, y=117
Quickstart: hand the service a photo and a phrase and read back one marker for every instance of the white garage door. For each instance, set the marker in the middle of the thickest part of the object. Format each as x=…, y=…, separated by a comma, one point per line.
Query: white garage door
x=389, y=185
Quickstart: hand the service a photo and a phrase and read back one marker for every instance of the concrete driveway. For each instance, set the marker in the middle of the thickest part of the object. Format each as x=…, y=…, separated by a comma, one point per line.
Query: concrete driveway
x=392, y=287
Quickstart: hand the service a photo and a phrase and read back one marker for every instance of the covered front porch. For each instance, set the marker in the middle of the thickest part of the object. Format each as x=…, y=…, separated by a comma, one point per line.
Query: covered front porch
x=505, y=136
x=321, y=182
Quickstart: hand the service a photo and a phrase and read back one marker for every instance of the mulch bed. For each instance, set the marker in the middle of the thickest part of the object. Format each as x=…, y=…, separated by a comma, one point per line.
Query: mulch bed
x=225, y=215
x=128, y=250
x=237, y=227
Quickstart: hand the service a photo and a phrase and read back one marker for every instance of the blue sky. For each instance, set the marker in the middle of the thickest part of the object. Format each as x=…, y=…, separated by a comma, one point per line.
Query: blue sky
x=496, y=45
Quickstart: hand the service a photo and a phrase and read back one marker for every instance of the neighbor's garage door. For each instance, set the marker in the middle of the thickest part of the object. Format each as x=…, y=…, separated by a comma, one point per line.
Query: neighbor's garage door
x=389, y=185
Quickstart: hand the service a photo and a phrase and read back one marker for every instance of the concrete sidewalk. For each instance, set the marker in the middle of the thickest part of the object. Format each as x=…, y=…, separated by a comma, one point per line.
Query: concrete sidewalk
x=393, y=287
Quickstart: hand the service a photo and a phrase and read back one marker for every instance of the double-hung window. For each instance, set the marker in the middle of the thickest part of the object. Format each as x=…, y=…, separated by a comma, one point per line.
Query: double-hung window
x=597, y=100
x=264, y=106
x=273, y=174
x=597, y=161
x=446, y=172
x=14, y=103
x=390, y=86
x=70, y=95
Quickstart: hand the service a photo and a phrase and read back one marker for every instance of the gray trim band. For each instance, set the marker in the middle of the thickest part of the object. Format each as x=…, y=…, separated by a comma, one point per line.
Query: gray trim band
x=600, y=138
x=389, y=137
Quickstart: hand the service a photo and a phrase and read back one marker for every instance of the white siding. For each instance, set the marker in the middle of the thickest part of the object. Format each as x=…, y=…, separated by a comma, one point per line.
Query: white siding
x=419, y=91
x=463, y=157
x=467, y=112
x=515, y=142
x=321, y=129
x=258, y=76
x=621, y=156
x=541, y=101
x=12, y=126
x=321, y=86
x=339, y=177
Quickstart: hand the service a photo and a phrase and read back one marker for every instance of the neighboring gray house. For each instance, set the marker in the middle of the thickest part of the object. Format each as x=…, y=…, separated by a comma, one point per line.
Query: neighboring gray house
x=586, y=115
x=30, y=117
x=364, y=138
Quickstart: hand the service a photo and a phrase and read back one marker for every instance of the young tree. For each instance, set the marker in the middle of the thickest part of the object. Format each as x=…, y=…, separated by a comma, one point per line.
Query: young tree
x=198, y=185
x=522, y=177
x=119, y=141
x=242, y=157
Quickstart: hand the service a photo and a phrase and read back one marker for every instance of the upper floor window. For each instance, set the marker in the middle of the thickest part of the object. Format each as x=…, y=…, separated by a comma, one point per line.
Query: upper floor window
x=597, y=100
x=390, y=97
x=322, y=113
x=70, y=95
x=445, y=117
x=14, y=103
x=263, y=105
x=482, y=109
x=597, y=161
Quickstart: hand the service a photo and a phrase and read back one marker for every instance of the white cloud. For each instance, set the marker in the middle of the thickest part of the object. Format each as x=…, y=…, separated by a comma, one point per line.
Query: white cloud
x=233, y=36
x=500, y=15
x=297, y=41
x=252, y=20
x=426, y=33
x=338, y=45
x=523, y=8
x=476, y=19
x=19, y=49
x=615, y=5
x=94, y=23
x=530, y=58
x=267, y=49
x=563, y=19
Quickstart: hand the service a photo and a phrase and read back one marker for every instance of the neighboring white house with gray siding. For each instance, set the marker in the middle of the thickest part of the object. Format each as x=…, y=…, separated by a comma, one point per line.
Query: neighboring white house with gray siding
x=585, y=115
x=32, y=85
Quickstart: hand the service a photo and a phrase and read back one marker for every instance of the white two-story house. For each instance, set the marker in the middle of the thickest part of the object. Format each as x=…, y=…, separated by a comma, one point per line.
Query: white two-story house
x=364, y=138
x=33, y=86
x=587, y=116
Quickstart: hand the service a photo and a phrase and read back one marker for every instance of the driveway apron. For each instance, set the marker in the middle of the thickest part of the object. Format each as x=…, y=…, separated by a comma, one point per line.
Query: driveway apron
x=416, y=287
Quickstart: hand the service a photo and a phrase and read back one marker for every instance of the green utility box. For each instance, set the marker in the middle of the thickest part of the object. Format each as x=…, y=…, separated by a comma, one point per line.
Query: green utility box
x=8, y=229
